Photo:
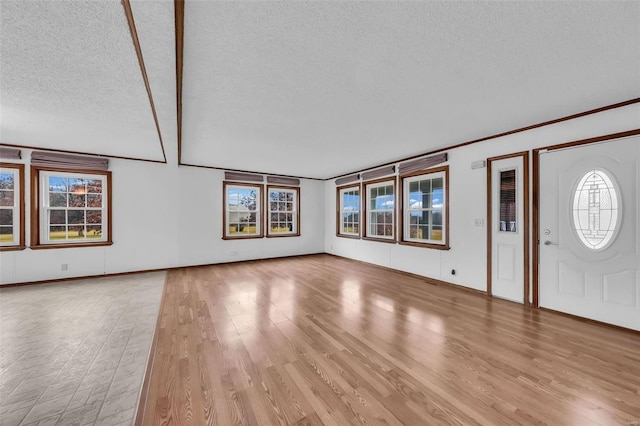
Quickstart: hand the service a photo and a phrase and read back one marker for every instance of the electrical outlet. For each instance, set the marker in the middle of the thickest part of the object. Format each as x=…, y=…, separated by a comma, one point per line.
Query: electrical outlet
x=65, y=266
x=479, y=222
x=233, y=253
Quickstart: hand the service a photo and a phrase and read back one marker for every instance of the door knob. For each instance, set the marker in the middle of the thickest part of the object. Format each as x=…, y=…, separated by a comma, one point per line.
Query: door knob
x=549, y=243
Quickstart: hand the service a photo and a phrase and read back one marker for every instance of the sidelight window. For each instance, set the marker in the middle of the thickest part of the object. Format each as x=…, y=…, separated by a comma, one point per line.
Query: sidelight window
x=508, y=201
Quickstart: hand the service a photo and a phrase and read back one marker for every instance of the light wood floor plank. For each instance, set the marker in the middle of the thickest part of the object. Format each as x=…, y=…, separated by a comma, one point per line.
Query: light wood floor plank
x=320, y=340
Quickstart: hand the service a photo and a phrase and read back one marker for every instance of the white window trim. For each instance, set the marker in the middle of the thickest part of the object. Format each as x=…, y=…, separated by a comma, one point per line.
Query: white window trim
x=296, y=218
x=407, y=210
x=342, y=211
x=17, y=197
x=368, y=188
x=45, y=207
x=227, y=212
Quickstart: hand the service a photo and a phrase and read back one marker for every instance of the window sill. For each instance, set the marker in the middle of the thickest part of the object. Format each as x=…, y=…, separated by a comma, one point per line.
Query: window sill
x=71, y=245
x=425, y=245
x=354, y=237
x=12, y=248
x=243, y=237
x=380, y=240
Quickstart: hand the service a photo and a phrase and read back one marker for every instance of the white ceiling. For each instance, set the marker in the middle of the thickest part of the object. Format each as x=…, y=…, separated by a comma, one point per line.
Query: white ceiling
x=70, y=80
x=314, y=89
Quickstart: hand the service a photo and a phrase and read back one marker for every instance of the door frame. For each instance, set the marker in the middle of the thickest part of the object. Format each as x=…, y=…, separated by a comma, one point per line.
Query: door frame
x=526, y=203
x=535, y=241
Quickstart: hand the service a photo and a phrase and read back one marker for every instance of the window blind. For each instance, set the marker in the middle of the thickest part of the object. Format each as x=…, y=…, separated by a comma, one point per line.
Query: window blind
x=249, y=177
x=283, y=180
x=382, y=171
x=68, y=161
x=10, y=153
x=422, y=163
x=348, y=179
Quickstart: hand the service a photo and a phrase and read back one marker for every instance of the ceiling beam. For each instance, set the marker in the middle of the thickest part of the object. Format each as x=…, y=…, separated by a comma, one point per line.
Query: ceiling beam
x=179, y=28
x=136, y=44
x=97, y=154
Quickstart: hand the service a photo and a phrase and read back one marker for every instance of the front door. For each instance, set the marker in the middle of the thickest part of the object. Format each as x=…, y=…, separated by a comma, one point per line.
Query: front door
x=589, y=242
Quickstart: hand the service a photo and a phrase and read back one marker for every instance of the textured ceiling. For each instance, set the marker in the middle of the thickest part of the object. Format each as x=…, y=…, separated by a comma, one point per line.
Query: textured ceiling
x=324, y=88
x=71, y=80
x=313, y=89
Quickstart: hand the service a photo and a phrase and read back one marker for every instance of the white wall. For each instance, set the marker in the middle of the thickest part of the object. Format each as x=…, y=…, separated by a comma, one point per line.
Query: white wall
x=167, y=216
x=164, y=216
x=467, y=202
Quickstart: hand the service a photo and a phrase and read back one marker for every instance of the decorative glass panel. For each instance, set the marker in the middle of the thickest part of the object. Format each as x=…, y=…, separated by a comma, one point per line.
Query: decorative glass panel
x=508, y=201
x=595, y=209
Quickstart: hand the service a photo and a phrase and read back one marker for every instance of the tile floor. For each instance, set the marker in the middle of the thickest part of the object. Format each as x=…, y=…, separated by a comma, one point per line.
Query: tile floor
x=75, y=353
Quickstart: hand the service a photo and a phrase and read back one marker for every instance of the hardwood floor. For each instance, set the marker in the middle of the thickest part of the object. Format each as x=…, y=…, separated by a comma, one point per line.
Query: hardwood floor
x=325, y=340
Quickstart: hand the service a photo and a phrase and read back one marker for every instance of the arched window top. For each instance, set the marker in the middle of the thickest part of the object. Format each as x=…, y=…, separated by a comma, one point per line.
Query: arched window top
x=595, y=209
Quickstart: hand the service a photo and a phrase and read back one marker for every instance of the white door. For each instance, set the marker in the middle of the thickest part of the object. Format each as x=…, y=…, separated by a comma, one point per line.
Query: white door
x=589, y=240
x=507, y=228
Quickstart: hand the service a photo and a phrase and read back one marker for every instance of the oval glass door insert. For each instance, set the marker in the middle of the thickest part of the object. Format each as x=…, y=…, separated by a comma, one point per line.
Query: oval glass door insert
x=595, y=209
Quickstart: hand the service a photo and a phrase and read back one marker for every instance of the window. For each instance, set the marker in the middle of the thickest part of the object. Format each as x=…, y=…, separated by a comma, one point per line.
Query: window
x=11, y=206
x=380, y=210
x=348, y=211
x=242, y=217
x=595, y=210
x=424, y=208
x=71, y=208
x=284, y=211
x=508, y=201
